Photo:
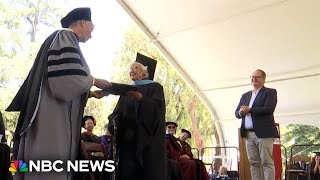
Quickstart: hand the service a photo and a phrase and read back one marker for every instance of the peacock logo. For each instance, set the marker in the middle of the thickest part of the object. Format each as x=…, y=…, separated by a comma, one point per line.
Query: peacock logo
x=18, y=166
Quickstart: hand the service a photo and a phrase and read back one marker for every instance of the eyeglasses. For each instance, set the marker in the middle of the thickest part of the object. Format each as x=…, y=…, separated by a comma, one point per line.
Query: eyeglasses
x=255, y=77
x=171, y=127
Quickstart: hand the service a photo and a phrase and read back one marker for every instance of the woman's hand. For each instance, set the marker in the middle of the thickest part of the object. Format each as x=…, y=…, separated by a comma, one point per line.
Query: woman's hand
x=98, y=94
x=185, y=156
x=134, y=95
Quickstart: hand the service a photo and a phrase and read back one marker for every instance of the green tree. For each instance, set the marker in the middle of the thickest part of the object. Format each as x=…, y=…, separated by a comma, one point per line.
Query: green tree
x=295, y=134
x=98, y=108
x=39, y=13
x=20, y=19
x=10, y=119
x=10, y=43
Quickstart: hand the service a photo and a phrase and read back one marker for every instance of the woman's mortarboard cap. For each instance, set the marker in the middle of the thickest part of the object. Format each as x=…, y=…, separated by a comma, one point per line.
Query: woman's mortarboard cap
x=186, y=131
x=76, y=14
x=146, y=61
x=173, y=123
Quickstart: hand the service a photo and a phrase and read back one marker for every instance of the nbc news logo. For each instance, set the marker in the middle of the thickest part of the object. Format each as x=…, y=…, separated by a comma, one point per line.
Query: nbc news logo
x=18, y=166
x=58, y=166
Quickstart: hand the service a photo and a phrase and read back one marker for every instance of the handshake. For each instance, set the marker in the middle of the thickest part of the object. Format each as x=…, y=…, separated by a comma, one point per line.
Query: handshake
x=107, y=88
x=101, y=84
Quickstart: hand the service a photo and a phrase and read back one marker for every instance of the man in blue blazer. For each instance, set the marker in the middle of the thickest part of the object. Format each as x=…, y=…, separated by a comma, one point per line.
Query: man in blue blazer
x=256, y=109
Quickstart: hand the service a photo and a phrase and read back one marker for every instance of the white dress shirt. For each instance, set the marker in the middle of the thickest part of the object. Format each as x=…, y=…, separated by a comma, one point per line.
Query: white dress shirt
x=248, y=124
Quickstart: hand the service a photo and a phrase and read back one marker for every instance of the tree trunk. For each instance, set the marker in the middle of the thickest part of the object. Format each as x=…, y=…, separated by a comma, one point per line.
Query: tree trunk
x=194, y=128
x=199, y=139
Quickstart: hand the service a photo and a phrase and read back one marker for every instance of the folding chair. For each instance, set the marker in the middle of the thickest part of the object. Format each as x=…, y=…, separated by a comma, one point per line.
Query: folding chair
x=90, y=147
x=295, y=170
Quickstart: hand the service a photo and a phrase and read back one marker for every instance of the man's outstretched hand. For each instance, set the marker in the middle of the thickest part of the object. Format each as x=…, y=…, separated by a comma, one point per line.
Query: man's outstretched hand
x=101, y=83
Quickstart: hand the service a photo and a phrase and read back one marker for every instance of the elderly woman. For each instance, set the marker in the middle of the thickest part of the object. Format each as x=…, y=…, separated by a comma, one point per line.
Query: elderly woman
x=141, y=126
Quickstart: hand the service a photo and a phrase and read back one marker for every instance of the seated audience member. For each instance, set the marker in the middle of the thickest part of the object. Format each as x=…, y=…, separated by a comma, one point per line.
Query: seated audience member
x=190, y=167
x=223, y=171
x=174, y=171
x=184, y=136
x=224, y=174
x=106, y=140
x=315, y=167
x=88, y=122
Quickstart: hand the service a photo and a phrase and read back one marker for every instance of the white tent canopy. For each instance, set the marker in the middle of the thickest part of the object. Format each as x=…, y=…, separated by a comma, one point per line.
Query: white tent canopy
x=216, y=44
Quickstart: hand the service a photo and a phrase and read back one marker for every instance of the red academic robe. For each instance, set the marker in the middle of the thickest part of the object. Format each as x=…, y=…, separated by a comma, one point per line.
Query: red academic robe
x=187, y=149
x=192, y=169
x=203, y=171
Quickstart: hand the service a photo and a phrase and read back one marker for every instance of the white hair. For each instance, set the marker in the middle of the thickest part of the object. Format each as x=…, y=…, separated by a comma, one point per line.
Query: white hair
x=144, y=69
